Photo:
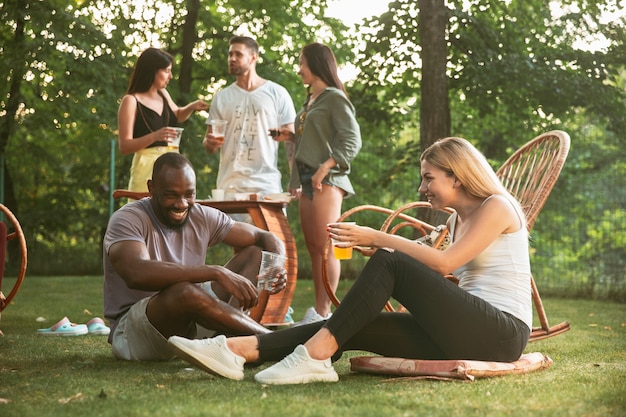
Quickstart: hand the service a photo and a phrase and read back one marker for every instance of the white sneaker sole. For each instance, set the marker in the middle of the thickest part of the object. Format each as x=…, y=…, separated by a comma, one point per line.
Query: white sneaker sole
x=297, y=379
x=204, y=362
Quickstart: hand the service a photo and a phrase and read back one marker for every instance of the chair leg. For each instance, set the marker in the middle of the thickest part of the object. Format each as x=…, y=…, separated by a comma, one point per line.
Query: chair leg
x=541, y=313
x=545, y=330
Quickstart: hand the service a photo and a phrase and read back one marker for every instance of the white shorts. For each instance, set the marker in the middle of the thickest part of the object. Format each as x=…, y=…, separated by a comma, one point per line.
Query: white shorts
x=136, y=339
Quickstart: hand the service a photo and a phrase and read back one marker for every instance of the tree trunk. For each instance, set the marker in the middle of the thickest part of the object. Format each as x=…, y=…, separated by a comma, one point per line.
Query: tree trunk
x=189, y=40
x=434, y=108
x=15, y=52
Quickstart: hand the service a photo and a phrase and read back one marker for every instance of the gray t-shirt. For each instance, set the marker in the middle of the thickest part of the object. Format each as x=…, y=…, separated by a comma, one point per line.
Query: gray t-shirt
x=137, y=221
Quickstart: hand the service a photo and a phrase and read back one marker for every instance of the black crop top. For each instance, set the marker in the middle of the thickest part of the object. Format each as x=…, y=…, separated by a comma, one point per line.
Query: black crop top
x=148, y=121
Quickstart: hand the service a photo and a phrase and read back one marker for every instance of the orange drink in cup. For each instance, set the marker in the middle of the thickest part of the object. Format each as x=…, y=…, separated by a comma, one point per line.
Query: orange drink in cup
x=174, y=144
x=342, y=253
x=218, y=129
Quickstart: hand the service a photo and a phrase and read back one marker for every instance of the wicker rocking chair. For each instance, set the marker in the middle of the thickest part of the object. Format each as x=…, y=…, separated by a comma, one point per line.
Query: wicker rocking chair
x=5, y=236
x=529, y=174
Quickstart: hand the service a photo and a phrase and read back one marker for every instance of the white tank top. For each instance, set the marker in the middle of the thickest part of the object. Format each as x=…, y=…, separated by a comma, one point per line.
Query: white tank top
x=500, y=274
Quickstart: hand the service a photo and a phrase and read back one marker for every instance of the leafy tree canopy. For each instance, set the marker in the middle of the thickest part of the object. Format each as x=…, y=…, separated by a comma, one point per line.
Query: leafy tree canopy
x=514, y=68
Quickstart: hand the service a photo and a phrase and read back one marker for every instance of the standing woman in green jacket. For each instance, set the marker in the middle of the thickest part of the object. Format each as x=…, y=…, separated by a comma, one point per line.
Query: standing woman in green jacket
x=327, y=139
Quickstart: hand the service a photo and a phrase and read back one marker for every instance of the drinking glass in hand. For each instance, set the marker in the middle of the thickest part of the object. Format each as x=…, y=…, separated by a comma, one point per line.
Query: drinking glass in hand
x=271, y=265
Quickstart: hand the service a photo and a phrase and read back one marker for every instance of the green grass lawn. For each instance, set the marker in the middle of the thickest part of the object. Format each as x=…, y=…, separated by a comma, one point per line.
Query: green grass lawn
x=78, y=376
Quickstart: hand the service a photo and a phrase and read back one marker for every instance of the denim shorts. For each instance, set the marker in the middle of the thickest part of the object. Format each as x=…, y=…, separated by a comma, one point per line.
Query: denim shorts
x=306, y=174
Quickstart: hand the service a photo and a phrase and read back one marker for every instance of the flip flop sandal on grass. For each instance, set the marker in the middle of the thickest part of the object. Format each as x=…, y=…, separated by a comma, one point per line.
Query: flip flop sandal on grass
x=64, y=328
x=96, y=326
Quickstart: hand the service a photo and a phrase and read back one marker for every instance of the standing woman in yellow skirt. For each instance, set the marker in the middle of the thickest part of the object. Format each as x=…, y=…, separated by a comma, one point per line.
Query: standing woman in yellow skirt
x=147, y=115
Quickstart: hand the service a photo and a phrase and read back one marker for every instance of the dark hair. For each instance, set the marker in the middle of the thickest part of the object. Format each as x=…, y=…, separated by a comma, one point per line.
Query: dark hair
x=150, y=61
x=246, y=40
x=169, y=160
x=322, y=63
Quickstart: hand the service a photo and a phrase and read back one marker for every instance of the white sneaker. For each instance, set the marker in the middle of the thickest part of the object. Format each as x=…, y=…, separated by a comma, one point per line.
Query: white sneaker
x=312, y=316
x=211, y=355
x=298, y=368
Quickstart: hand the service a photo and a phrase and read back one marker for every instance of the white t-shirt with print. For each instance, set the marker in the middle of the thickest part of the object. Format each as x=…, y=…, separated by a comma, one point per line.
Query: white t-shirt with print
x=249, y=156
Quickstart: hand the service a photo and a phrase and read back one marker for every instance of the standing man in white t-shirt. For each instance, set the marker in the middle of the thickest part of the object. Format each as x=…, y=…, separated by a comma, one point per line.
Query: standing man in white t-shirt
x=253, y=107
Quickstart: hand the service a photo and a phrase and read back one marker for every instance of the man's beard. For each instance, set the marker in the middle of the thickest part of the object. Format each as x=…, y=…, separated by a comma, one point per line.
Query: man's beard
x=237, y=70
x=172, y=224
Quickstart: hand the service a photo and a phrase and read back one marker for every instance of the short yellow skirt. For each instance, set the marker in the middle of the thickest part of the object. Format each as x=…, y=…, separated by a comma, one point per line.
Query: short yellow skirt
x=141, y=168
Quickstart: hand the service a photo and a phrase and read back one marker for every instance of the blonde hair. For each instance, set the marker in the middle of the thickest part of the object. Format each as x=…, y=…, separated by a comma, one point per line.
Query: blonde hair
x=459, y=158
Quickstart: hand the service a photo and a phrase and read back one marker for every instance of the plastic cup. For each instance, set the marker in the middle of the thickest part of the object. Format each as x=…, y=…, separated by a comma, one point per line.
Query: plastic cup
x=271, y=265
x=218, y=129
x=175, y=142
x=217, y=194
x=340, y=252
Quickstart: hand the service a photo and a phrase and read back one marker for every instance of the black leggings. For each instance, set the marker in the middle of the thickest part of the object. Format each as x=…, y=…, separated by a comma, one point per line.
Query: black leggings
x=444, y=321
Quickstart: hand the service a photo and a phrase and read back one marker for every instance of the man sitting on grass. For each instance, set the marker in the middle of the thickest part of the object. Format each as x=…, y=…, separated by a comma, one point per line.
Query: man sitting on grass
x=156, y=282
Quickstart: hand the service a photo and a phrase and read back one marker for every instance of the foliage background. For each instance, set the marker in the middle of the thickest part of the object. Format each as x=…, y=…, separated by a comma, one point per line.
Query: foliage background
x=514, y=69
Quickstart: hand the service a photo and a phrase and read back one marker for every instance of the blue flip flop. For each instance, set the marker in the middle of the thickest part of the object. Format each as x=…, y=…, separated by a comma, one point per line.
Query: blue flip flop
x=64, y=328
x=96, y=326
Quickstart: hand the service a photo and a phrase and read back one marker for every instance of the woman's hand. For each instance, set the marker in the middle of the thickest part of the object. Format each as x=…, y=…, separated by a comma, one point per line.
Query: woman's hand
x=352, y=235
x=318, y=177
x=164, y=134
x=321, y=173
x=199, y=105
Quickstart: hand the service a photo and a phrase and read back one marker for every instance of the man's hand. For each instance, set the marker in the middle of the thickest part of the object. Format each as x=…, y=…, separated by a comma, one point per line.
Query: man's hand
x=239, y=287
x=280, y=282
x=211, y=143
x=282, y=134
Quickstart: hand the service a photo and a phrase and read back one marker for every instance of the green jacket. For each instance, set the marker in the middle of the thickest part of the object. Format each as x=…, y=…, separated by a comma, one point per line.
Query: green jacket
x=327, y=129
